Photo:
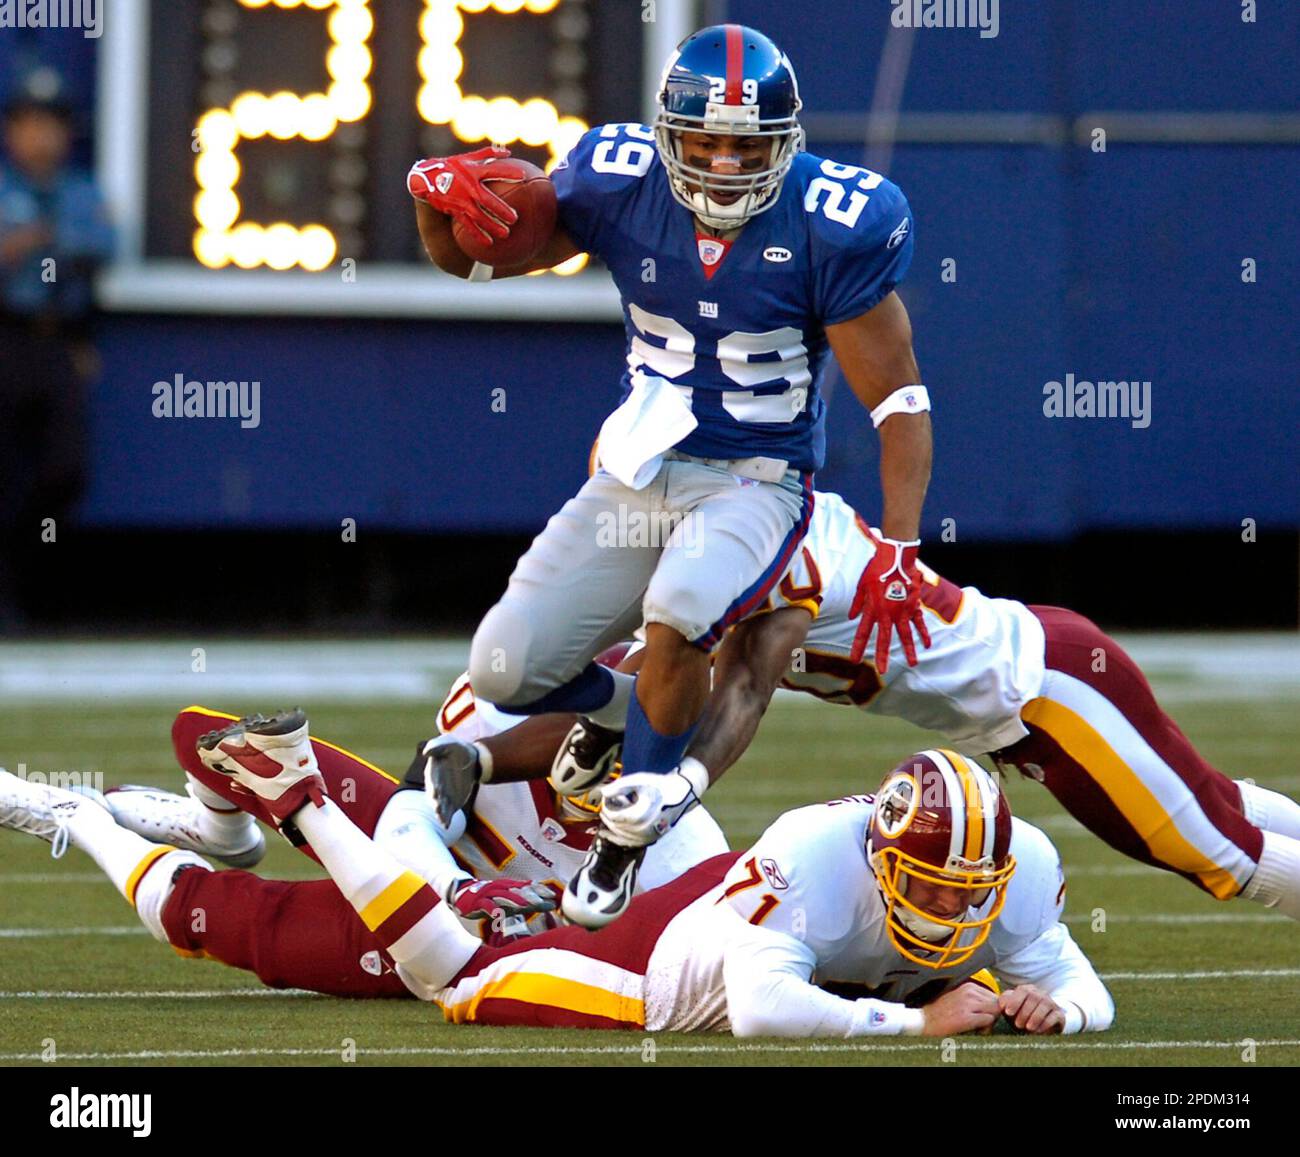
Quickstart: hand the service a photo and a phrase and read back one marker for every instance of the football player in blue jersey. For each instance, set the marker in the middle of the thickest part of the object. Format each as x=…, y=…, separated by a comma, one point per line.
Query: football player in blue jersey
x=742, y=262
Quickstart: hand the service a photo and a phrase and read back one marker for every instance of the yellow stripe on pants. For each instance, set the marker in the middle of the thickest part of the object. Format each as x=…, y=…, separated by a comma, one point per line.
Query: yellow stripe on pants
x=553, y=992
x=1134, y=800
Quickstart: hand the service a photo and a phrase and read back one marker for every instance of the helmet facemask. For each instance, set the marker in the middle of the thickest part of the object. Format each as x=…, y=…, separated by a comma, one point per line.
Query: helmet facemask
x=692, y=186
x=925, y=938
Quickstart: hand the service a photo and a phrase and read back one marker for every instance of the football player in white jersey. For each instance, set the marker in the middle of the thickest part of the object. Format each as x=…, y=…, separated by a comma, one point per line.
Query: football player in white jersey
x=894, y=902
x=511, y=847
x=1039, y=689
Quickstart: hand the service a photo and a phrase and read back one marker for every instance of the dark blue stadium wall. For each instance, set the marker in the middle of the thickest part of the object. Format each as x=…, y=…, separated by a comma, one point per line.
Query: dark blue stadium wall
x=1119, y=265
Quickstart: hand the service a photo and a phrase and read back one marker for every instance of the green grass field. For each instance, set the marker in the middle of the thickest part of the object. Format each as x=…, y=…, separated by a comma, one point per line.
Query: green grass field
x=1192, y=979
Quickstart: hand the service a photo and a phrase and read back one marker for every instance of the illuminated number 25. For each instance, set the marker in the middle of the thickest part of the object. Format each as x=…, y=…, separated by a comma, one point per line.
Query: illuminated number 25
x=222, y=238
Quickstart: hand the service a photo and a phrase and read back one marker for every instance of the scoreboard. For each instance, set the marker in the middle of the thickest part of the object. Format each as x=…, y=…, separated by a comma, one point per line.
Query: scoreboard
x=255, y=151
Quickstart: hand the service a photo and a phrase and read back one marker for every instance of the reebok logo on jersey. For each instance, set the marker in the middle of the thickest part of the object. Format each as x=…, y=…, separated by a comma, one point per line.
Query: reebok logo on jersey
x=896, y=237
x=777, y=253
x=773, y=875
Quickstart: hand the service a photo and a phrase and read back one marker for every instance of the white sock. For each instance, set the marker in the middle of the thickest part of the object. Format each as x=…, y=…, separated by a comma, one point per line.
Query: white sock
x=614, y=714
x=154, y=888
x=408, y=827
x=1276, y=882
x=1270, y=810
x=225, y=825
x=435, y=947
x=142, y=871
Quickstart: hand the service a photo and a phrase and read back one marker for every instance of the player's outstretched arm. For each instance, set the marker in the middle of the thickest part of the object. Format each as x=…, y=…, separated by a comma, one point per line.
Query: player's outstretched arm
x=874, y=352
x=768, y=978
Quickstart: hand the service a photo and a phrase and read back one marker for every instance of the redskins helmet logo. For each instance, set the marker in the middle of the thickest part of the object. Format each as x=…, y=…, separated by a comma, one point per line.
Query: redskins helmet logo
x=896, y=804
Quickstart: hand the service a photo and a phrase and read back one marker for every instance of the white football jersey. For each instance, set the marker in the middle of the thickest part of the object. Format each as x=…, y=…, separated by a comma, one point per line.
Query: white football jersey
x=985, y=661
x=808, y=882
x=527, y=831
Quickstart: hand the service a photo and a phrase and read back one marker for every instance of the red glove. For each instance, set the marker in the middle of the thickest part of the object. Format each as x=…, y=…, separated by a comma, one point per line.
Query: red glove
x=481, y=899
x=889, y=596
x=454, y=186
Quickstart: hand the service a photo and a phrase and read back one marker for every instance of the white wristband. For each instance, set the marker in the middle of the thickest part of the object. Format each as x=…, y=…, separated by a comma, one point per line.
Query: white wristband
x=904, y=400
x=885, y=1018
x=481, y=272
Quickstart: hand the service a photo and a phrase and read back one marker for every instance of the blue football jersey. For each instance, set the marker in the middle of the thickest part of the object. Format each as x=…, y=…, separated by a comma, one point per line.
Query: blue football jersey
x=743, y=338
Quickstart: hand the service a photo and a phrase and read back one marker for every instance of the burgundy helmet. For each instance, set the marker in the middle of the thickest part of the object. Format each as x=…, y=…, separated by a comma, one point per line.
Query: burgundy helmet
x=942, y=820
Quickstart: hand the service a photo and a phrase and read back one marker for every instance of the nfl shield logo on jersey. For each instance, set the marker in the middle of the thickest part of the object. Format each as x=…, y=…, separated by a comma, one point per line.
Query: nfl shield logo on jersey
x=551, y=830
x=372, y=963
x=711, y=251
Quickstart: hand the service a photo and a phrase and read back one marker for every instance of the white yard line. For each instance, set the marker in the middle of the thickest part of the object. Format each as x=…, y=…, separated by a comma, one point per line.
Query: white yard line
x=295, y=993
x=1056, y=1045
x=1181, y=918
x=52, y=933
x=53, y=878
x=156, y=994
x=1222, y=974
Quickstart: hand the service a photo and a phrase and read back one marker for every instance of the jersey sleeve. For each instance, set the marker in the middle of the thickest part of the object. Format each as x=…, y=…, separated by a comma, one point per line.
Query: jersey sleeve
x=1043, y=952
x=780, y=883
x=768, y=979
x=859, y=265
x=605, y=163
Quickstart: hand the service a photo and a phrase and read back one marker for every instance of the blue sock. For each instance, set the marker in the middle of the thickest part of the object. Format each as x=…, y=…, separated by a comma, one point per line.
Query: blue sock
x=645, y=749
x=587, y=691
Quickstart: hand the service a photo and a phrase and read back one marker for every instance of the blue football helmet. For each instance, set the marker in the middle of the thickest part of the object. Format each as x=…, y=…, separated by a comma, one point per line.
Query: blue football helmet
x=728, y=80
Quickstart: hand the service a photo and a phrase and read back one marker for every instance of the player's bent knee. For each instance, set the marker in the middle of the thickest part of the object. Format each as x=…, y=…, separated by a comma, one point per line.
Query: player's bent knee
x=688, y=612
x=499, y=657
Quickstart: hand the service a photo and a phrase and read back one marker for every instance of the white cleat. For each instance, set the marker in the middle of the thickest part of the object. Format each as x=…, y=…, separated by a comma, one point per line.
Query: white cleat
x=602, y=887
x=270, y=756
x=163, y=817
x=39, y=810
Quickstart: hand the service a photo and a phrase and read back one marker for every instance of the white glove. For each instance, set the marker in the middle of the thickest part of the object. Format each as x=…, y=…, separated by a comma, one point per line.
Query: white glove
x=641, y=808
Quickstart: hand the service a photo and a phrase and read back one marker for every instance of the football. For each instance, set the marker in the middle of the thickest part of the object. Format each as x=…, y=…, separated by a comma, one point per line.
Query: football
x=533, y=198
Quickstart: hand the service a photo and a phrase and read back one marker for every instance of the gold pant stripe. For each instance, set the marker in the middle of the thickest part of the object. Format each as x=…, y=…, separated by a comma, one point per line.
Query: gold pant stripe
x=1146, y=814
x=985, y=978
x=137, y=873
x=390, y=899
x=554, y=992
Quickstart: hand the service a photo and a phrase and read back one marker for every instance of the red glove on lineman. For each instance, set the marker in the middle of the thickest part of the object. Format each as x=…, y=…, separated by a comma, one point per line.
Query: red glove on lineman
x=481, y=899
x=454, y=185
x=889, y=596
